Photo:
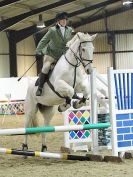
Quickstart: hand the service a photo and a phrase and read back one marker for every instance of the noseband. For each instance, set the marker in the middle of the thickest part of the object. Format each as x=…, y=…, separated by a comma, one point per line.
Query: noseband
x=79, y=59
x=80, y=55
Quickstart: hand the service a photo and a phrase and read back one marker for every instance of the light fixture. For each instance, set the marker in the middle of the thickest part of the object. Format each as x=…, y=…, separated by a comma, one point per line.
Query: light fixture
x=127, y=2
x=40, y=24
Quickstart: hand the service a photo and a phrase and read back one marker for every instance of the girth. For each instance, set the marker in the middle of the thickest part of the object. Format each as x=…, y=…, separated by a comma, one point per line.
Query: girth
x=53, y=89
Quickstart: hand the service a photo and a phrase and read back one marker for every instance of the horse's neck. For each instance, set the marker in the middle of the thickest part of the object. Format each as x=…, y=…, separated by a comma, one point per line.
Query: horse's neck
x=73, y=53
x=67, y=62
x=71, y=57
x=63, y=66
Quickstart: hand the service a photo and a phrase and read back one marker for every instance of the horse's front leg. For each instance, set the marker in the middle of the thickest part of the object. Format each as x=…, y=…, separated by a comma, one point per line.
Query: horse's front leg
x=63, y=107
x=82, y=102
x=66, y=91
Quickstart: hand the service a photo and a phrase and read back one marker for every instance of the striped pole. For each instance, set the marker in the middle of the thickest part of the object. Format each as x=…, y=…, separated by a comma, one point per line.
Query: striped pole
x=26, y=131
x=63, y=156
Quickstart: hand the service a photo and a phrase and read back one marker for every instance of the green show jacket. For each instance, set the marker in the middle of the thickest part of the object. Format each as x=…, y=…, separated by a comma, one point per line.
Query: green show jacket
x=53, y=43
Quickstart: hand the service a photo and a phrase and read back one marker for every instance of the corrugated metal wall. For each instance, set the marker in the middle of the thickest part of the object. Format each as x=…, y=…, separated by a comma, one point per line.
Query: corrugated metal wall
x=101, y=43
x=124, y=42
x=120, y=21
x=4, y=56
x=25, y=50
x=101, y=62
x=102, y=56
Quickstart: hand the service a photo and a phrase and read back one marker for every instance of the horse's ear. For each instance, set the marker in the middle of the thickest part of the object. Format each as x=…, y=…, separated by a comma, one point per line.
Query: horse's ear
x=93, y=36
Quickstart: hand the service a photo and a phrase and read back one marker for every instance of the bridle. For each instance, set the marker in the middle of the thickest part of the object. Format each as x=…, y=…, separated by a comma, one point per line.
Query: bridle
x=79, y=60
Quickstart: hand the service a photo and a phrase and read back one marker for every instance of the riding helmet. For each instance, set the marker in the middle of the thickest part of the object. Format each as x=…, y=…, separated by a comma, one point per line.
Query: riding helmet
x=61, y=16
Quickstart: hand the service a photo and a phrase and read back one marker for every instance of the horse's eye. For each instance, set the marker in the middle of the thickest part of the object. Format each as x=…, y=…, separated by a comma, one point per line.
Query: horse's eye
x=83, y=49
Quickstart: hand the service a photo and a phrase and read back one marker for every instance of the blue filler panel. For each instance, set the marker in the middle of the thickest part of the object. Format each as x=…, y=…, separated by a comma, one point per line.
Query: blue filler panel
x=124, y=125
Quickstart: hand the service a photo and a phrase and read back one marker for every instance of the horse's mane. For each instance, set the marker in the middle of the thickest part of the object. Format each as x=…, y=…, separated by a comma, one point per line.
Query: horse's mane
x=69, y=43
x=82, y=36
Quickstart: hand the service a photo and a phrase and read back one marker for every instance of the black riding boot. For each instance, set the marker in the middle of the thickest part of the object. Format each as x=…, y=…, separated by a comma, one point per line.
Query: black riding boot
x=42, y=79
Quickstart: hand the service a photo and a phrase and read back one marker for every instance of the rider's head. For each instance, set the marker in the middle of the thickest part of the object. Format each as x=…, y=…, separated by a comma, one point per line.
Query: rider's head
x=61, y=18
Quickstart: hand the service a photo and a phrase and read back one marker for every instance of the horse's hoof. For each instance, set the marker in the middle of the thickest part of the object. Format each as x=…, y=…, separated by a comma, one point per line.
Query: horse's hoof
x=75, y=104
x=64, y=107
x=24, y=148
x=59, y=109
x=78, y=104
x=44, y=148
x=65, y=150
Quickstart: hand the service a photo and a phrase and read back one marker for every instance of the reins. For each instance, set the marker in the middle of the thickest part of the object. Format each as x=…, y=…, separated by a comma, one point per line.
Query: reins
x=79, y=61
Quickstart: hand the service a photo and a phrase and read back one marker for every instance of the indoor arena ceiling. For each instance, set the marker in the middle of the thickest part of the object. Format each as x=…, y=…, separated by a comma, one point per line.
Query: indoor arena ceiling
x=24, y=14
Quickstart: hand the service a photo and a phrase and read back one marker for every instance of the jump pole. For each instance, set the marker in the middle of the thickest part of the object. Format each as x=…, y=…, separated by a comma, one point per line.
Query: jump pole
x=26, y=131
x=63, y=156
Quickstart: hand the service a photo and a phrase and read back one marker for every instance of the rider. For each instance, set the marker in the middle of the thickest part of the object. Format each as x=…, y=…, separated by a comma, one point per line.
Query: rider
x=52, y=46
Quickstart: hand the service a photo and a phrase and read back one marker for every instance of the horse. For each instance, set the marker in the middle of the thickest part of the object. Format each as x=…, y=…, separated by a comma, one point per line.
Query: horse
x=67, y=78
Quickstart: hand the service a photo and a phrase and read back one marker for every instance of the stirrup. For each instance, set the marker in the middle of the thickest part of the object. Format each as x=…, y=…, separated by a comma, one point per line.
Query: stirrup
x=39, y=91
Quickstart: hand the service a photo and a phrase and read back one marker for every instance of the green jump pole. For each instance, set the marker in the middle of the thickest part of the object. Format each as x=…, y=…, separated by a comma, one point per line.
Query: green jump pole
x=23, y=131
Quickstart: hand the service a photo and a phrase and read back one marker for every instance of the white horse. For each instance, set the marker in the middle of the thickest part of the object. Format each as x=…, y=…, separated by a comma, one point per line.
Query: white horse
x=66, y=79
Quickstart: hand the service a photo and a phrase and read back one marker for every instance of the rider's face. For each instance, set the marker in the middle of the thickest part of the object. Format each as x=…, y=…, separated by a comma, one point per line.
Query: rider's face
x=63, y=22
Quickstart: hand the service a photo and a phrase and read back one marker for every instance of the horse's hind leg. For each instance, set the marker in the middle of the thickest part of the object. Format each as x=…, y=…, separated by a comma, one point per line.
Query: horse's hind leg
x=30, y=119
x=48, y=113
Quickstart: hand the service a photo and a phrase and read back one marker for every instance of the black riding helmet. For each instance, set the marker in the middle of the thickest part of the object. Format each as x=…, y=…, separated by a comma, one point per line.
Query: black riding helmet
x=61, y=16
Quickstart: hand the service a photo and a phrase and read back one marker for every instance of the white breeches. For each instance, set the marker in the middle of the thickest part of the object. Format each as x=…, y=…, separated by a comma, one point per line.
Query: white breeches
x=48, y=63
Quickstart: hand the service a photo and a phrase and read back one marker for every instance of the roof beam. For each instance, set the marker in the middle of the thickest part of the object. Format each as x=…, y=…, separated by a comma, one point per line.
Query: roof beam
x=13, y=20
x=93, y=7
x=7, y=2
x=100, y=16
x=26, y=32
x=31, y=30
x=127, y=31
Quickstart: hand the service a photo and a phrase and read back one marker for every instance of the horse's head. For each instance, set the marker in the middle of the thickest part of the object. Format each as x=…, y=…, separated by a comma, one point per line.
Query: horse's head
x=82, y=47
x=86, y=50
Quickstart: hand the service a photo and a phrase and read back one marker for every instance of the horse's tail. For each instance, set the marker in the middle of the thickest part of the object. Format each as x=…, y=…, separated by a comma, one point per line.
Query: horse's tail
x=31, y=109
